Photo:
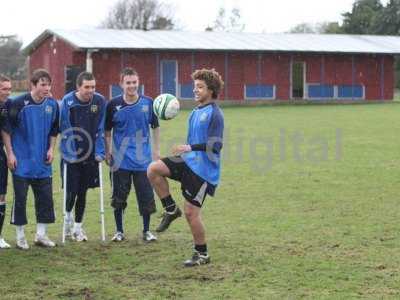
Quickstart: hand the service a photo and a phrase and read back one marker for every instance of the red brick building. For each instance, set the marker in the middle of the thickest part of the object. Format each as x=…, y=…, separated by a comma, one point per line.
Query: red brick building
x=266, y=67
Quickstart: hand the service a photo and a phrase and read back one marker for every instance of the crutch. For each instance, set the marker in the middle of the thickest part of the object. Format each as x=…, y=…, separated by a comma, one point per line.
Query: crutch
x=64, y=203
x=103, y=231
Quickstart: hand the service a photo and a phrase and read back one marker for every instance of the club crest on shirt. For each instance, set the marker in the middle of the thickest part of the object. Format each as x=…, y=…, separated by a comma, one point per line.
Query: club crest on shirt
x=145, y=108
x=49, y=109
x=70, y=102
x=26, y=102
x=203, y=117
x=94, y=108
x=118, y=107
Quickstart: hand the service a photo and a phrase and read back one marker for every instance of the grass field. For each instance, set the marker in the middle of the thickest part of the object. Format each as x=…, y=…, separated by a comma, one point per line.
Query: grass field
x=308, y=208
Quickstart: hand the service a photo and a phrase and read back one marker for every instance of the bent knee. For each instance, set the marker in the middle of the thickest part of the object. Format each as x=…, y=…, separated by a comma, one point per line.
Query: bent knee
x=152, y=169
x=157, y=168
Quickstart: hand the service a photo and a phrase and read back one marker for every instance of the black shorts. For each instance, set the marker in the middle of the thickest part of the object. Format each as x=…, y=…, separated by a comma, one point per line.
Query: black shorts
x=121, y=186
x=194, y=188
x=43, y=193
x=3, y=172
x=81, y=176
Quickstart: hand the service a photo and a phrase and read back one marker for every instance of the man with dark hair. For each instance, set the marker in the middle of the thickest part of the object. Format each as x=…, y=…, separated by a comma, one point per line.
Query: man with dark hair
x=129, y=118
x=82, y=148
x=5, y=91
x=196, y=164
x=29, y=135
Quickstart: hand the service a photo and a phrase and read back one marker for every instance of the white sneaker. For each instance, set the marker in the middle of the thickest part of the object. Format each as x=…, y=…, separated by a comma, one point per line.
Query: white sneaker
x=44, y=241
x=79, y=236
x=149, y=237
x=4, y=244
x=118, y=237
x=22, y=244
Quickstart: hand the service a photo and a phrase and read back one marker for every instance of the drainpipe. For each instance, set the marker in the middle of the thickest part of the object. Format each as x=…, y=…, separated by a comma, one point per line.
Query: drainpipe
x=89, y=60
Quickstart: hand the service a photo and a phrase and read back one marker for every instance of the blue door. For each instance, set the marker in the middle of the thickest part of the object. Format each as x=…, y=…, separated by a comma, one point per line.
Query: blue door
x=168, y=77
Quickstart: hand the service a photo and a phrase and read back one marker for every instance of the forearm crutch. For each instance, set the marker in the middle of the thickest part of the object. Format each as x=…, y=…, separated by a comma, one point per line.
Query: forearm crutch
x=64, y=202
x=103, y=232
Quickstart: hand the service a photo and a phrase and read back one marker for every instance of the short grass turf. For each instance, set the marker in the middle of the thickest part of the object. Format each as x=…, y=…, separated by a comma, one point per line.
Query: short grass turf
x=307, y=208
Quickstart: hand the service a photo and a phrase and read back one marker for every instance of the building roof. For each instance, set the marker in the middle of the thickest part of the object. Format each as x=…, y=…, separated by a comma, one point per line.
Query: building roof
x=83, y=39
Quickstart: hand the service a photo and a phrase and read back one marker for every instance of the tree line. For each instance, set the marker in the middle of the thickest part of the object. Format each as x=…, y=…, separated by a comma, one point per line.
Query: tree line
x=365, y=17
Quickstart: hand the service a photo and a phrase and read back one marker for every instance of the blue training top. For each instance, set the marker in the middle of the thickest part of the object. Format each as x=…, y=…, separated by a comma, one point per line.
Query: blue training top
x=206, y=127
x=30, y=126
x=130, y=125
x=82, y=128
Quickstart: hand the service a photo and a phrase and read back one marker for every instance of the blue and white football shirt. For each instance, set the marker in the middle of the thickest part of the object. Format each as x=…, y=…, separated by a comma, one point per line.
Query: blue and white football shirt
x=206, y=127
x=130, y=125
x=30, y=126
x=82, y=127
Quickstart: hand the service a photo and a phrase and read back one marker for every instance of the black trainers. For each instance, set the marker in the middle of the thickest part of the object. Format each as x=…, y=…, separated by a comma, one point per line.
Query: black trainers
x=168, y=218
x=197, y=260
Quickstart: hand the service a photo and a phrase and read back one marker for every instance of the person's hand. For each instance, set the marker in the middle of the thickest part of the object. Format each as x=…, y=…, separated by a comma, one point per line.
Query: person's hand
x=49, y=156
x=155, y=155
x=12, y=162
x=108, y=158
x=179, y=149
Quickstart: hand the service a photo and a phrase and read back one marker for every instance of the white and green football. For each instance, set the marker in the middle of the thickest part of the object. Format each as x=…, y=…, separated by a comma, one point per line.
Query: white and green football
x=166, y=106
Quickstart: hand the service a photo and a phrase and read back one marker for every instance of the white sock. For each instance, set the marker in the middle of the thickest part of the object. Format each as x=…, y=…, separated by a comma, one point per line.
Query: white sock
x=77, y=227
x=41, y=229
x=68, y=217
x=20, y=232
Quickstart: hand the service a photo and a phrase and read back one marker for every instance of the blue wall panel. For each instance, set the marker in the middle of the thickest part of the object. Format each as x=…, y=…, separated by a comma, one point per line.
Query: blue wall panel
x=321, y=91
x=259, y=91
x=350, y=91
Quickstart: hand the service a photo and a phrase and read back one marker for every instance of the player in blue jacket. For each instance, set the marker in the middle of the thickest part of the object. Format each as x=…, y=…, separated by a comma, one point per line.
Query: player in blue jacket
x=82, y=148
x=29, y=136
x=129, y=118
x=196, y=164
x=5, y=91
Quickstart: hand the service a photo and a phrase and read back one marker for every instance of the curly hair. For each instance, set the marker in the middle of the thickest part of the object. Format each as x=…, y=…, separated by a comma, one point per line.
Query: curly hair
x=212, y=79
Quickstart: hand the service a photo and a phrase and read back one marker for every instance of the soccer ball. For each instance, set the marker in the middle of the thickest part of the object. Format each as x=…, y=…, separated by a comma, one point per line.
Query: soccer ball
x=166, y=106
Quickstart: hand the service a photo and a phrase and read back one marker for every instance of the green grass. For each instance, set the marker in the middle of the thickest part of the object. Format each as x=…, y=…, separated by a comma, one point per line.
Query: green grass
x=312, y=219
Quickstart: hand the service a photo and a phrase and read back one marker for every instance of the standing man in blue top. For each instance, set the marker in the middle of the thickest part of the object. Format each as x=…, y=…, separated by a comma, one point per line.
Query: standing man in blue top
x=129, y=118
x=5, y=91
x=30, y=135
x=196, y=164
x=82, y=148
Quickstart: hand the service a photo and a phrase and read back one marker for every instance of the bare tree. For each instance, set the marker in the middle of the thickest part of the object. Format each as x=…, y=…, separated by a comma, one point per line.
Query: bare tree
x=223, y=23
x=12, y=61
x=139, y=14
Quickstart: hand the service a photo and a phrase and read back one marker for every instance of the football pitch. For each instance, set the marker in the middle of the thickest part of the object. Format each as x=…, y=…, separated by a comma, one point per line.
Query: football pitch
x=307, y=208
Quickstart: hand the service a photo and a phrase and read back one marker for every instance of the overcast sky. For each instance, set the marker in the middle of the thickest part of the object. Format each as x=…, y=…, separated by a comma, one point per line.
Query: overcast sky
x=28, y=19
